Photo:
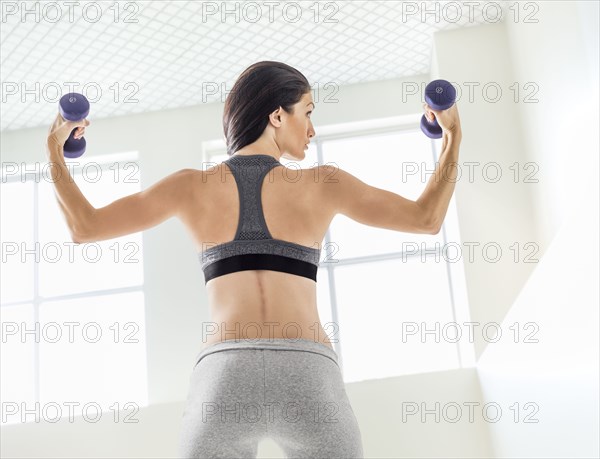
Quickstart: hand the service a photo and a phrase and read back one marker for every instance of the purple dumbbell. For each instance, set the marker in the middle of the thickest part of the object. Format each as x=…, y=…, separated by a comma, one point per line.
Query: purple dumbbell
x=74, y=107
x=439, y=95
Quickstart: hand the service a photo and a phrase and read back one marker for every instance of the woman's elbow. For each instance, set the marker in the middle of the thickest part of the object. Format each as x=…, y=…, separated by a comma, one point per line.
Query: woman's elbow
x=82, y=233
x=80, y=238
x=435, y=230
x=433, y=226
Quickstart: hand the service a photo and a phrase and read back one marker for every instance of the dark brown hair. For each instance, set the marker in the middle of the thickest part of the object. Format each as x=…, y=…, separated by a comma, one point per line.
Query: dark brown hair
x=260, y=90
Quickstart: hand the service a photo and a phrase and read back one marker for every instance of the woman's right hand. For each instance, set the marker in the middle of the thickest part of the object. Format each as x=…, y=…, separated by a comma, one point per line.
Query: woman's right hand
x=447, y=119
x=60, y=131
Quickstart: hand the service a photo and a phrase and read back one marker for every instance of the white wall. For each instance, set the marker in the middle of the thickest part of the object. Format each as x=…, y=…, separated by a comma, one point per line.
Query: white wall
x=559, y=372
x=560, y=54
x=554, y=363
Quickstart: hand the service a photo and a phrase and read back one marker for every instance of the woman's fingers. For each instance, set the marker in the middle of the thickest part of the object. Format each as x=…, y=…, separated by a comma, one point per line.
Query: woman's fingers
x=428, y=112
x=80, y=131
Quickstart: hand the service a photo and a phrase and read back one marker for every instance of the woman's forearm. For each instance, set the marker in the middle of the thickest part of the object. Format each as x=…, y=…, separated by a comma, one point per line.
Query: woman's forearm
x=435, y=199
x=75, y=207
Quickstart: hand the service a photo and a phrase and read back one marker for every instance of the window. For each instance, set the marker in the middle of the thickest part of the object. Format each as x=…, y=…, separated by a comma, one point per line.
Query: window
x=72, y=315
x=392, y=296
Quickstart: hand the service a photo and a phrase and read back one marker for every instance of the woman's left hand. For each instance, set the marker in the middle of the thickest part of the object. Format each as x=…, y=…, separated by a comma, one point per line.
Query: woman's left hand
x=60, y=131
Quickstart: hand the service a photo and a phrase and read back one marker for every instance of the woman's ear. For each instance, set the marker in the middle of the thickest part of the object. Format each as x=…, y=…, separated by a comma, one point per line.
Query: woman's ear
x=275, y=117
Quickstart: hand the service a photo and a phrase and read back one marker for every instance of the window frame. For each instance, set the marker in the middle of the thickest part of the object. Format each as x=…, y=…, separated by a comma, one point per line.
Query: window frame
x=105, y=163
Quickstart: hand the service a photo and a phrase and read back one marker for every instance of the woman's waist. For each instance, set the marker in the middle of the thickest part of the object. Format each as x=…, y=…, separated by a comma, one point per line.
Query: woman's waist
x=225, y=327
x=268, y=315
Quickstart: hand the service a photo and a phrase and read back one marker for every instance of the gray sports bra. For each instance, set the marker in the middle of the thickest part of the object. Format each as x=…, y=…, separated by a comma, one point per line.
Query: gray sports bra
x=253, y=247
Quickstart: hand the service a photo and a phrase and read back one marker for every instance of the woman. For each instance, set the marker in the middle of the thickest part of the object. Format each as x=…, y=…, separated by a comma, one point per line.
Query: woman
x=267, y=368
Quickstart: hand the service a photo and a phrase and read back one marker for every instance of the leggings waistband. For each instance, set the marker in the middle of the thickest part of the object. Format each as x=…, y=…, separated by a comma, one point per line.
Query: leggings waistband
x=276, y=344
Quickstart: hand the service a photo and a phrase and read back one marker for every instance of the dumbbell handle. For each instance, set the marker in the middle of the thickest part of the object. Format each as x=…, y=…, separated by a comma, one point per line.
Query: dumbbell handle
x=74, y=107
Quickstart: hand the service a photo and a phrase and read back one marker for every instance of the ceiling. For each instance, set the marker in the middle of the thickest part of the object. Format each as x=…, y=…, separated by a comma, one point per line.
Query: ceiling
x=167, y=54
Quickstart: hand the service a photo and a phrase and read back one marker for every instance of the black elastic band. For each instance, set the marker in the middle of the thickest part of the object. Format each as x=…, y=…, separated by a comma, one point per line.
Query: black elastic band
x=260, y=261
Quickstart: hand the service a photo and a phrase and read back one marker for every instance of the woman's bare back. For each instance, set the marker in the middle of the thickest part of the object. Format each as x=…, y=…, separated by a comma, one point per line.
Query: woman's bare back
x=261, y=303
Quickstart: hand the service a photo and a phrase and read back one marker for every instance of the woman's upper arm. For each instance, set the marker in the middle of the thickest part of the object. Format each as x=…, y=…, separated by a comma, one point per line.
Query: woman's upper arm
x=373, y=206
x=139, y=211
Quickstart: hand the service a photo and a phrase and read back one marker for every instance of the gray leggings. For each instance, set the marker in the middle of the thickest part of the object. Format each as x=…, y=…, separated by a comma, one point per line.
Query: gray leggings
x=292, y=391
